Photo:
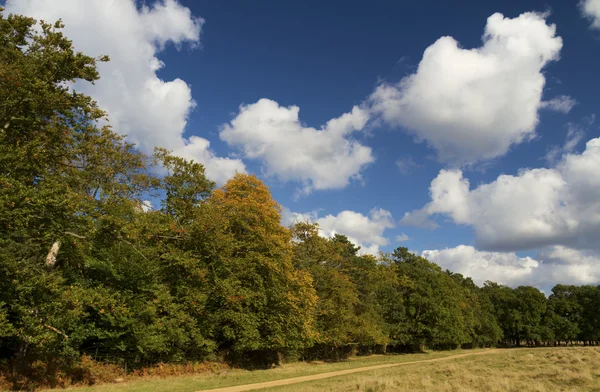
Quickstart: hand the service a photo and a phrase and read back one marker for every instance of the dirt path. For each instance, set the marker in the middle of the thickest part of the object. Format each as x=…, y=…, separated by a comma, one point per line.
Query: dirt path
x=320, y=376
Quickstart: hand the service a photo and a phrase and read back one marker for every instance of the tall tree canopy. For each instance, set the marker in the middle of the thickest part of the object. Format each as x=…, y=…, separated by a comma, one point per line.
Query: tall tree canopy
x=259, y=300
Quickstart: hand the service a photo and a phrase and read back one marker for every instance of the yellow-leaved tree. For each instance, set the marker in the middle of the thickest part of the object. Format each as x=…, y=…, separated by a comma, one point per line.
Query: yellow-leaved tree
x=261, y=305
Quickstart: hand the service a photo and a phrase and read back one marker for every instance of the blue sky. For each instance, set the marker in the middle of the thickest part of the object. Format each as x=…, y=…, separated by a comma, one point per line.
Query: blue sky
x=190, y=76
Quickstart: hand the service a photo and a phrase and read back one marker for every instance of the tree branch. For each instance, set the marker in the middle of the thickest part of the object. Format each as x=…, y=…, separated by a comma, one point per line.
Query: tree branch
x=58, y=331
x=75, y=235
x=136, y=249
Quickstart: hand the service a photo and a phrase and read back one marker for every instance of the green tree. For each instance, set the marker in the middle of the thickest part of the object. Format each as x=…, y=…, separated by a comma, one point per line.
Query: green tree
x=335, y=316
x=519, y=312
x=588, y=298
x=564, y=313
x=434, y=304
x=185, y=186
x=479, y=313
x=83, y=269
x=65, y=178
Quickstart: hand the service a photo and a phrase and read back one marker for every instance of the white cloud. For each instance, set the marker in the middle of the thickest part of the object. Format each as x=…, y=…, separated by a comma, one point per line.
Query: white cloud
x=591, y=10
x=503, y=268
x=552, y=266
x=218, y=169
x=326, y=158
x=289, y=217
x=575, y=134
x=570, y=266
x=537, y=207
x=562, y=104
x=402, y=238
x=150, y=111
x=471, y=105
x=365, y=231
x=419, y=218
x=147, y=206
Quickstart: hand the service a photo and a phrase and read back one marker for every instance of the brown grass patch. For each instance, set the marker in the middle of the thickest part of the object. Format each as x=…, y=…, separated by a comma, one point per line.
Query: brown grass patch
x=575, y=369
x=89, y=372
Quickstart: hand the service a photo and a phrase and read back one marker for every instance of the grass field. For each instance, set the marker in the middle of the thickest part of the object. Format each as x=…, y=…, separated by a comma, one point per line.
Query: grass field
x=541, y=369
x=518, y=370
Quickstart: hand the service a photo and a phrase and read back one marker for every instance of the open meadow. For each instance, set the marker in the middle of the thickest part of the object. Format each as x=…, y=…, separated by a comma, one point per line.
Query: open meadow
x=523, y=370
x=511, y=370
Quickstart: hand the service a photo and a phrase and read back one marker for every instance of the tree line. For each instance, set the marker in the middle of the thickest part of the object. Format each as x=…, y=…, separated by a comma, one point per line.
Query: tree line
x=87, y=269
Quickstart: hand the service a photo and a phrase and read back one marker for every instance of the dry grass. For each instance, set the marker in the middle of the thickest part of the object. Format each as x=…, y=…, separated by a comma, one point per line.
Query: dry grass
x=515, y=370
x=570, y=369
x=229, y=377
x=89, y=372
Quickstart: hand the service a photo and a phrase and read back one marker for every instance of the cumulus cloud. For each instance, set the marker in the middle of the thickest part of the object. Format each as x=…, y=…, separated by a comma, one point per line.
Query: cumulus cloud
x=591, y=10
x=503, y=268
x=471, y=105
x=325, y=158
x=218, y=169
x=537, y=207
x=551, y=266
x=150, y=111
x=366, y=231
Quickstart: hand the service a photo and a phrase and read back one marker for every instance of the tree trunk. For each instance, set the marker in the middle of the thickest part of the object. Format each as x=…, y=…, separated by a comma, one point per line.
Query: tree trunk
x=51, y=258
